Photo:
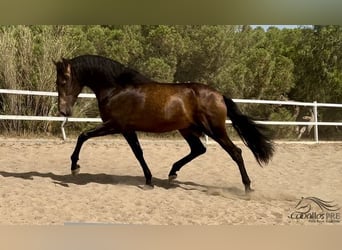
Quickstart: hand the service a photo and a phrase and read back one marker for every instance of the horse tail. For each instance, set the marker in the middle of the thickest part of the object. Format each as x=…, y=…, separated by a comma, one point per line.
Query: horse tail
x=252, y=134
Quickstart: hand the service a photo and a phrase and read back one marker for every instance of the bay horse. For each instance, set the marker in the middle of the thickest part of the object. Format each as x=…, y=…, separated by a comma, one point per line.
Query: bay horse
x=129, y=102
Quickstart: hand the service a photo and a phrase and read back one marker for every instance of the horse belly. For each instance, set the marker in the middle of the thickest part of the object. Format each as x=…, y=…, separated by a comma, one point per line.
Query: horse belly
x=158, y=122
x=172, y=114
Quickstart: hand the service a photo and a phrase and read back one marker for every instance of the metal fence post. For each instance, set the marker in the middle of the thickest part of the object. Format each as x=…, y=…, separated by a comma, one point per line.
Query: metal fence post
x=316, y=121
x=62, y=128
x=206, y=139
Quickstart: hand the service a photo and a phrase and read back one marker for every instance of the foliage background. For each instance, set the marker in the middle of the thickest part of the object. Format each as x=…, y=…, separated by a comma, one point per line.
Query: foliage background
x=302, y=64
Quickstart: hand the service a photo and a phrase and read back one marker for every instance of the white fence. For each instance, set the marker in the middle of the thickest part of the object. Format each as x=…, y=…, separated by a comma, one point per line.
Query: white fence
x=315, y=105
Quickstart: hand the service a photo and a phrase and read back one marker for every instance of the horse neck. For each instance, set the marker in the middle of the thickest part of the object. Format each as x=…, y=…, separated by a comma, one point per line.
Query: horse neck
x=101, y=85
x=101, y=91
x=105, y=80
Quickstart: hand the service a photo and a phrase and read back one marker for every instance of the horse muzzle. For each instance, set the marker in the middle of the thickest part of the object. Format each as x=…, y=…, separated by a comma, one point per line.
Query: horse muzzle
x=65, y=111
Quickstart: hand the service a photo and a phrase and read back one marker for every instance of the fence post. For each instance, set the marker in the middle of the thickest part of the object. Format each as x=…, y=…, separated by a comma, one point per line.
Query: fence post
x=316, y=121
x=62, y=128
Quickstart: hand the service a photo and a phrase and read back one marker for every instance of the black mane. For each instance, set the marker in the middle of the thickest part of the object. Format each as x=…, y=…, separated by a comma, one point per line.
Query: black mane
x=103, y=70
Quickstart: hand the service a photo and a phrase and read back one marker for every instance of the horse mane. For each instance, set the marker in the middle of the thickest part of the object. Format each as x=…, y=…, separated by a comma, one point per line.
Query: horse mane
x=106, y=70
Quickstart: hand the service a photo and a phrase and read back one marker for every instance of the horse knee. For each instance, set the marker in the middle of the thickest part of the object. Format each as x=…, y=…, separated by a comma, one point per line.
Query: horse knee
x=199, y=150
x=237, y=154
x=238, y=150
x=83, y=137
x=202, y=150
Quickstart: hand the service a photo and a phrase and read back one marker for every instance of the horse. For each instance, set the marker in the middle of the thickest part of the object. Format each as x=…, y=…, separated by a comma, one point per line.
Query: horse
x=129, y=102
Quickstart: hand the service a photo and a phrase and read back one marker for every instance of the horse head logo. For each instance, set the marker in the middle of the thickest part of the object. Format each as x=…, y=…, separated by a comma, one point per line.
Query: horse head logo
x=308, y=204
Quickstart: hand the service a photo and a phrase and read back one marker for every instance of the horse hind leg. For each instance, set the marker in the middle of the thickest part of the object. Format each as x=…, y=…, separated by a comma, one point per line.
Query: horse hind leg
x=196, y=149
x=220, y=135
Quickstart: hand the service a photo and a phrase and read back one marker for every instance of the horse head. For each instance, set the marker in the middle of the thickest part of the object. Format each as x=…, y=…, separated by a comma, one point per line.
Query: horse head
x=68, y=87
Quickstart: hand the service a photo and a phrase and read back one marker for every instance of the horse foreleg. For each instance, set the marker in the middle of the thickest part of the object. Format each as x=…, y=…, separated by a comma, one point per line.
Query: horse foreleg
x=101, y=130
x=133, y=142
x=196, y=148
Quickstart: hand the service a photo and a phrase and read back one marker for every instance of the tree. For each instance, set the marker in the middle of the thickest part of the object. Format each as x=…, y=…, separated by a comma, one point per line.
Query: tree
x=208, y=49
x=26, y=54
x=301, y=64
x=318, y=75
x=318, y=65
x=162, y=46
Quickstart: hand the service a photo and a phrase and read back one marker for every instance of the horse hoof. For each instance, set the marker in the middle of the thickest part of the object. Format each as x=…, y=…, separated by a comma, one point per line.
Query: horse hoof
x=248, y=190
x=76, y=171
x=172, y=177
x=146, y=187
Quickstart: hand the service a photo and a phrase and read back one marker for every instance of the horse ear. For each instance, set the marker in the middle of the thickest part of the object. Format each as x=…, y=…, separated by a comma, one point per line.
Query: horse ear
x=67, y=66
x=65, y=61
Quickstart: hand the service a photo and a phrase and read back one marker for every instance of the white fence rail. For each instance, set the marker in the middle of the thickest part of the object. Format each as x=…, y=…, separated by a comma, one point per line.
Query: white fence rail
x=315, y=105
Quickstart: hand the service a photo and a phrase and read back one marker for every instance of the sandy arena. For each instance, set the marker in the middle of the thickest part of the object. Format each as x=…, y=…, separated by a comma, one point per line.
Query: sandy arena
x=37, y=188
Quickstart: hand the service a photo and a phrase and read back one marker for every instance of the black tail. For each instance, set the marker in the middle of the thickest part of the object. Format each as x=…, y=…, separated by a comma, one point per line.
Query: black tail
x=252, y=134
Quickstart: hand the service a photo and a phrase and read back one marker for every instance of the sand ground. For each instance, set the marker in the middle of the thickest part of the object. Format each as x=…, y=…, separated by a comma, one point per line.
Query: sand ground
x=36, y=186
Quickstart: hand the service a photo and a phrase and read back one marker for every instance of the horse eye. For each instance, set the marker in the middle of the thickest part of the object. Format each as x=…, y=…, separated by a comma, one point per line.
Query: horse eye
x=61, y=81
x=66, y=77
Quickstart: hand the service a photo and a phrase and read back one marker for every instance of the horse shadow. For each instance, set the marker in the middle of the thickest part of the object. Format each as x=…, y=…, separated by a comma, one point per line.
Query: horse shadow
x=82, y=178
x=128, y=180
